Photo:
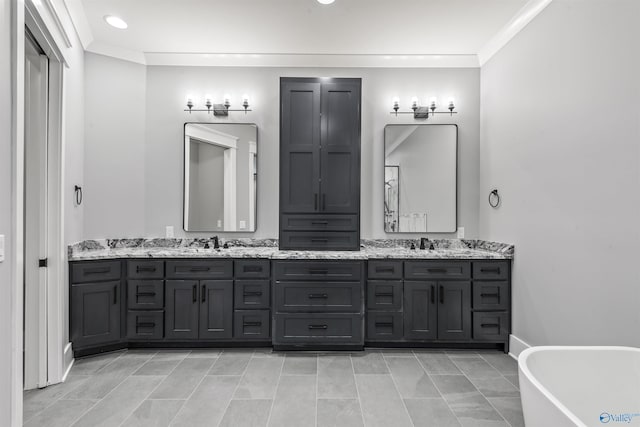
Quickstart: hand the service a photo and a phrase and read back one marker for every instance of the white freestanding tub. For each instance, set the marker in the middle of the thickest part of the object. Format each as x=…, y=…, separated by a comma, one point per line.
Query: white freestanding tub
x=580, y=386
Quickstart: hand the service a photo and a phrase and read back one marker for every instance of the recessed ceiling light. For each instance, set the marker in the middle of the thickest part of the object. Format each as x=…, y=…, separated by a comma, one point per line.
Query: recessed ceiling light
x=326, y=1
x=116, y=22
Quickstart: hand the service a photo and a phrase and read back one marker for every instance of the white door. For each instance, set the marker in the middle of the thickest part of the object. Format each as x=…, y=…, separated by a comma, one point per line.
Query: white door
x=35, y=215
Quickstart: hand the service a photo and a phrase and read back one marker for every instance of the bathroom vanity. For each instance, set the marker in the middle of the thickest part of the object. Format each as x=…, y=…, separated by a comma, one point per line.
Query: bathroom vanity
x=177, y=293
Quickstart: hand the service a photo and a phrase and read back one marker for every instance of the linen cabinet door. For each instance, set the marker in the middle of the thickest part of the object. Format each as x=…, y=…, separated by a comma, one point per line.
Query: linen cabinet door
x=181, y=311
x=420, y=311
x=216, y=309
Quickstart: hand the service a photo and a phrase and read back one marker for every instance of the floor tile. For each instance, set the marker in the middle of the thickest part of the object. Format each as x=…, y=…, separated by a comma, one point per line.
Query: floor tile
x=476, y=367
x=496, y=387
x=61, y=414
x=381, y=404
x=396, y=352
x=513, y=379
x=453, y=385
x=124, y=365
x=431, y=412
x=34, y=401
x=154, y=413
x=510, y=408
x=90, y=365
x=260, y=378
x=247, y=413
x=231, y=363
x=474, y=410
x=503, y=363
x=295, y=402
x=412, y=381
x=157, y=367
x=204, y=352
x=183, y=380
x=335, y=377
x=304, y=364
x=339, y=413
x=172, y=354
x=207, y=404
x=369, y=362
x=95, y=388
x=438, y=364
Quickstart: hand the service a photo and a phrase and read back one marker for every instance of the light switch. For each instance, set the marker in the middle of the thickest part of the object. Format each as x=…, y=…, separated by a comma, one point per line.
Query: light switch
x=169, y=231
x=460, y=232
x=243, y=225
x=219, y=223
x=1, y=247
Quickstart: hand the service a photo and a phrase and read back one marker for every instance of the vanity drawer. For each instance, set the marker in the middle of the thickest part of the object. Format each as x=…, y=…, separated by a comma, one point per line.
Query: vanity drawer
x=252, y=268
x=251, y=294
x=490, y=270
x=319, y=222
x=490, y=295
x=384, y=295
x=383, y=326
x=199, y=269
x=251, y=324
x=318, y=328
x=145, y=269
x=318, y=297
x=437, y=270
x=384, y=269
x=490, y=326
x=320, y=240
x=145, y=294
x=318, y=270
x=95, y=271
x=145, y=325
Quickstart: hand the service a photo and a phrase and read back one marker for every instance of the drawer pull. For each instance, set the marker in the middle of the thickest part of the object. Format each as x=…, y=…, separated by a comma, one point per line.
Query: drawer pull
x=436, y=270
x=146, y=325
x=385, y=269
x=490, y=270
x=252, y=269
x=384, y=324
x=115, y=294
x=146, y=294
x=195, y=269
x=490, y=325
x=319, y=240
x=145, y=269
x=441, y=294
x=318, y=296
x=318, y=327
x=195, y=293
x=384, y=294
x=319, y=222
x=248, y=324
x=317, y=272
x=252, y=294
x=204, y=293
x=497, y=295
x=433, y=294
x=102, y=270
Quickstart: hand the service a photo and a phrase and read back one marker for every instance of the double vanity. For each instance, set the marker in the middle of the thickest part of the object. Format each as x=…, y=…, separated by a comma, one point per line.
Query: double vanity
x=183, y=293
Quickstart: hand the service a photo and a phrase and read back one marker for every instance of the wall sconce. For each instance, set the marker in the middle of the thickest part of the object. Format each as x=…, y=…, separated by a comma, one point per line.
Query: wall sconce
x=218, y=109
x=422, y=112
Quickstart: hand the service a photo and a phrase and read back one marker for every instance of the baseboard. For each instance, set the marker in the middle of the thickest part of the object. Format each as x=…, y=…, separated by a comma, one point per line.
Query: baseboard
x=516, y=346
x=68, y=360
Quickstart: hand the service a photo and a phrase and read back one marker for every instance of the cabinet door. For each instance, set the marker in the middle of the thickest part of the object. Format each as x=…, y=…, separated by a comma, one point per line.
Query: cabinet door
x=420, y=310
x=95, y=313
x=454, y=311
x=181, y=301
x=299, y=147
x=216, y=309
x=340, y=148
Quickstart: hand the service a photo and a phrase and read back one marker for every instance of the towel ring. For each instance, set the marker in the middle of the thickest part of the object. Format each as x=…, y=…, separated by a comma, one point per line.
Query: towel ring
x=494, y=198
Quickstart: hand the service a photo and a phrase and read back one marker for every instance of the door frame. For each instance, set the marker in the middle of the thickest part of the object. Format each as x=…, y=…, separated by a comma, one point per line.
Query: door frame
x=51, y=37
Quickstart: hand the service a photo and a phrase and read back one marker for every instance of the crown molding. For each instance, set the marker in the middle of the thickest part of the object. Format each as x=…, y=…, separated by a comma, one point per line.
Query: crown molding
x=117, y=52
x=509, y=31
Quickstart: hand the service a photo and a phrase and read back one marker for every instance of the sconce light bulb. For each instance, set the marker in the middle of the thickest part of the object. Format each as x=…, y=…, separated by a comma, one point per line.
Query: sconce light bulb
x=208, y=101
x=395, y=101
x=452, y=105
x=190, y=102
x=245, y=102
x=227, y=100
x=433, y=101
x=414, y=102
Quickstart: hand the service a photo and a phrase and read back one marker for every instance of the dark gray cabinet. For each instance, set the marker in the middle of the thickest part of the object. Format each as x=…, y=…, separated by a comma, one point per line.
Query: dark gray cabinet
x=454, y=311
x=420, y=310
x=95, y=313
x=182, y=309
x=320, y=163
x=216, y=309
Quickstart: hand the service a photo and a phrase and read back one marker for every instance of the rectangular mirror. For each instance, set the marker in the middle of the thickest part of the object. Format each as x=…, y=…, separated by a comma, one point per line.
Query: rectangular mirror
x=420, y=178
x=220, y=165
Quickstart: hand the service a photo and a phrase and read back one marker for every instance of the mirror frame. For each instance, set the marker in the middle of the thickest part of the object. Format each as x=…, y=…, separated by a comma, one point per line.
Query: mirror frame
x=384, y=165
x=184, y=183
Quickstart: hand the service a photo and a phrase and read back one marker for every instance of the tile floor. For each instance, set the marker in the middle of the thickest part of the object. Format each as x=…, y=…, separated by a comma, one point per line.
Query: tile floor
x=386, y=388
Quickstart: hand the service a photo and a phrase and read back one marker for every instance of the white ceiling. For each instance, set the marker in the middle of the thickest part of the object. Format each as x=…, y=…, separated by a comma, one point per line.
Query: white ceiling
x=248, y=28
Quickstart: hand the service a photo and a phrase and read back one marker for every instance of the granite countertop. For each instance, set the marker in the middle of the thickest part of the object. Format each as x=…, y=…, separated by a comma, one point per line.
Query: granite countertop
x=268, y=249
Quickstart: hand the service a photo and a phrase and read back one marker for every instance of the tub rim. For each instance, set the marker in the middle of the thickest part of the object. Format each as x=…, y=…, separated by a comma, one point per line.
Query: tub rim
x=524, y=368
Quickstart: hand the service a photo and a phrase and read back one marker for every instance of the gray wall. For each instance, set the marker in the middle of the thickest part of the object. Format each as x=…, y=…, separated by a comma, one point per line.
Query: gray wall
x=6, y=155
x=165, y=94
x=115, y=148
x=560, y=140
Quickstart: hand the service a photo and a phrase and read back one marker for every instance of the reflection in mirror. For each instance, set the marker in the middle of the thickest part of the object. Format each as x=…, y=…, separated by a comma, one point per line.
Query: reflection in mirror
x=420, y=178
x=220, y=177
